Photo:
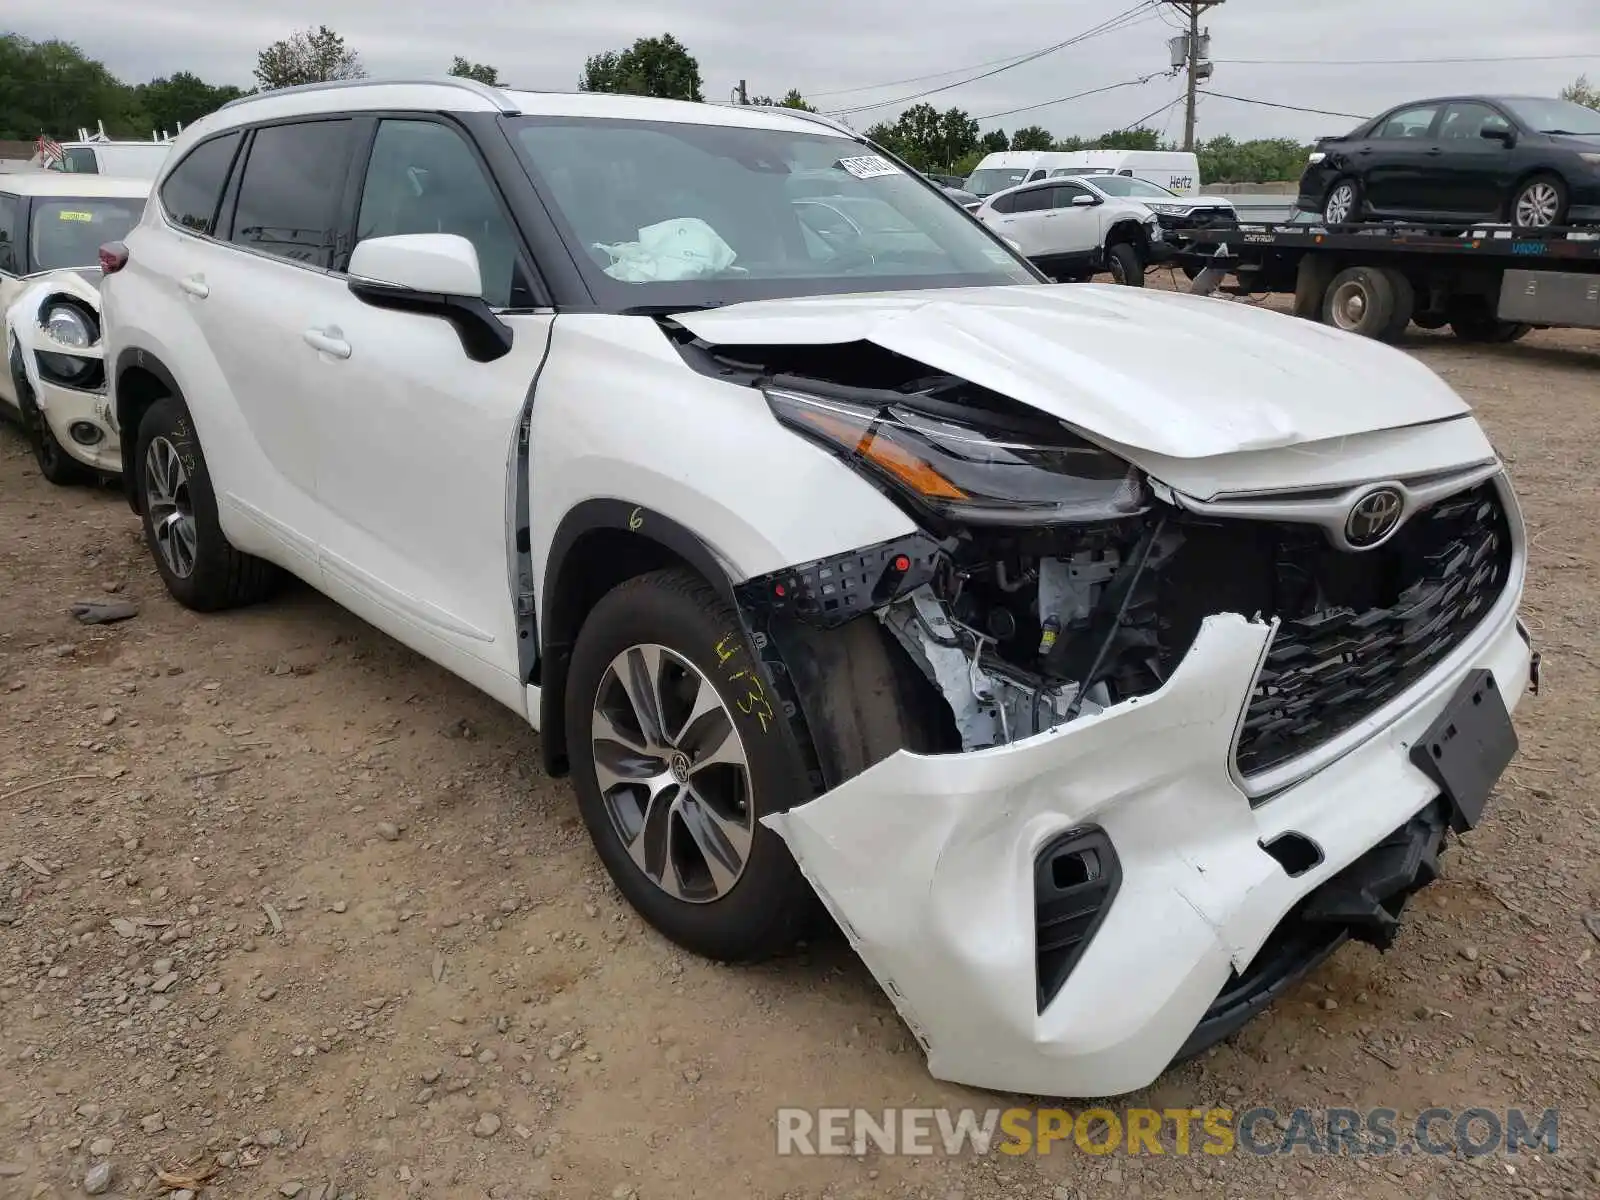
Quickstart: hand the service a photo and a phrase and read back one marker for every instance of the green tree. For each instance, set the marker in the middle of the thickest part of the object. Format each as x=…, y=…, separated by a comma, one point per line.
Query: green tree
x=1581, y=91
x=1223, y=160
x=181, y=99
x=482, y=72
x=994, y=141
x=1142, y=138
x=53, y=87
x=928, y=139
x=657, y=66
x=307, y=56
x=1032, y=137
x=791, y=99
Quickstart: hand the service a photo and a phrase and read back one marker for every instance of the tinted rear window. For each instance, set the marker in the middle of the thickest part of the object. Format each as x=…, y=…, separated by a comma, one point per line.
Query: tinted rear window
x=190, y=194
x=289, y=196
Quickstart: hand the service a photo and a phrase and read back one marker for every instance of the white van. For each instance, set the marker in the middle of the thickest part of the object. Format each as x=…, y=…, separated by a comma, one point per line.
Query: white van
x=1174, y=170
x=129, y=159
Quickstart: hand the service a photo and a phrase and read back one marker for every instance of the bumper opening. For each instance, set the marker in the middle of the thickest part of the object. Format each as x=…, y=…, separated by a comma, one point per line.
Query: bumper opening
x=1363, y=902
x=1075, y=879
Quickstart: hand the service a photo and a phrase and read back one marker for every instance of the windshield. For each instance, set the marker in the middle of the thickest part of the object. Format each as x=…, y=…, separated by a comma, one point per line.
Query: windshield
x=1555, y=116
x=664, y=215
x=69, y=231
x=1139, y=189
x=995, y=179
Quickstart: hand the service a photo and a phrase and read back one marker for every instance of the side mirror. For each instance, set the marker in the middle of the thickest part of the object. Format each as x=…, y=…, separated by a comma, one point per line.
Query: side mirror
x=1084, y=202
x=434, y=274
x=1496, y=133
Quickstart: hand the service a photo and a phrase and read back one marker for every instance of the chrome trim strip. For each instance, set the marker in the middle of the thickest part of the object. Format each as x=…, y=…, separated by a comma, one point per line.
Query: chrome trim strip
x=1330, y=507
x=1261, y=786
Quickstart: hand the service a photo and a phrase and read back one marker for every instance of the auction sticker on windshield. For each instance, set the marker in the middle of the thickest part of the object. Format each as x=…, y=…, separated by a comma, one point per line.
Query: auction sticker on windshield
x=869, y=166
x=74, y=216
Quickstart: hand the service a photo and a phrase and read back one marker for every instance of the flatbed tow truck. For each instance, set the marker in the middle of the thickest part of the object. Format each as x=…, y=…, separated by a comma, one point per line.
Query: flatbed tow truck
x=1488, y=283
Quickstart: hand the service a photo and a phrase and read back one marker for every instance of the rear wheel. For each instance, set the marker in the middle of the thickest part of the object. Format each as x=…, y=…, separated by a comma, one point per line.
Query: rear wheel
x=677, y=754
x=1125, y=264
x=1405, y=305
x=1312, y=278
x=1360, y=300
x=199, y=565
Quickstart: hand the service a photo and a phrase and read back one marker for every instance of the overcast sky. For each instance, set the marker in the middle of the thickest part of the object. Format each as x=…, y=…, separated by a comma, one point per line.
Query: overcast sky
x=825, y=46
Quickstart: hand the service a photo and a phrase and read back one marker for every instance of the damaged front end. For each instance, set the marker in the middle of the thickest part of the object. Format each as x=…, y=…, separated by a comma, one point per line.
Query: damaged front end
x=1072, y=874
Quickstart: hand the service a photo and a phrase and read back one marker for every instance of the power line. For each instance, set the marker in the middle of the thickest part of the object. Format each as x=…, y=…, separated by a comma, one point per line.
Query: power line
x=1110, y=87
x=1323, y=112
x=1150, y=116
x=1398, y=62
x=872, y=87
x=1122, y=20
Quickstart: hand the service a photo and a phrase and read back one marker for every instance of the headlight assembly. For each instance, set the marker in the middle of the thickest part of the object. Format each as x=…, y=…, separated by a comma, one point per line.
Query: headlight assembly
x=70, y=326
x=1171, y=210
x=968, y=467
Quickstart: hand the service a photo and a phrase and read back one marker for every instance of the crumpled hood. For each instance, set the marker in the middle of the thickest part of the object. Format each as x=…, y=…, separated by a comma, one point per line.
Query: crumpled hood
x=1178, y=375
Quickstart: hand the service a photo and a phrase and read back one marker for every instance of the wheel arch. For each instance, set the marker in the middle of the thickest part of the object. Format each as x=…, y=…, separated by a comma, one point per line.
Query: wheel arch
x=1126, y=229
x=599, y=544
x=138, y=380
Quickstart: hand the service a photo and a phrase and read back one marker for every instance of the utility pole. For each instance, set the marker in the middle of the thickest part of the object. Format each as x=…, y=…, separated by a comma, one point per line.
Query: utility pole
x=740, y=94
x=1196, y=52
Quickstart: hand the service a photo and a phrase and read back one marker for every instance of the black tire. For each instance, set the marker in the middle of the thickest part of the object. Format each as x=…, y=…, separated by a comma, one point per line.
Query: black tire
x=1347, y=190
x=1360, y=300
x=1312, y=278
x=52, y=459
x=1547, y=184
x=1487, y=330
x=221, y=577
x=769, y=905
x=1125, y=265
x=1405, y=305
x=1430, y=320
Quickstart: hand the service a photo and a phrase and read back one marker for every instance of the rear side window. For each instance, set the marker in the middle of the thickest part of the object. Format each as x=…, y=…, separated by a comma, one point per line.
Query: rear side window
x=9, y=207
x=191, y=193
x=80, y=160
x=289, y=195
x=1033, y=200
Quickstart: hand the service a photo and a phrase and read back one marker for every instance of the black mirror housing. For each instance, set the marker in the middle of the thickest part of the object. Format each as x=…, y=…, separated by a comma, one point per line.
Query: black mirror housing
x=484, y=336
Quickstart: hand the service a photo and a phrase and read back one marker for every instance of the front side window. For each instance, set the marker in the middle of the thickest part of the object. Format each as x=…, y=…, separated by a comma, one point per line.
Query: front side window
x=660, y=213
x=9, y=207
x=191, y=193
x=1408, y=123
x=69, y=231
x=423, y=178
x=289, y=194
x=1066, y=194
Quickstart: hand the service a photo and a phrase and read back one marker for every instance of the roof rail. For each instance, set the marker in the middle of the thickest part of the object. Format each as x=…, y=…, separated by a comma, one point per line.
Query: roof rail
x=493, y=95
x=803, y=113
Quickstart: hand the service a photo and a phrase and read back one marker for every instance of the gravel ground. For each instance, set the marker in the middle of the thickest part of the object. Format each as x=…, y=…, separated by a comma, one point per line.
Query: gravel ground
x=286, y=910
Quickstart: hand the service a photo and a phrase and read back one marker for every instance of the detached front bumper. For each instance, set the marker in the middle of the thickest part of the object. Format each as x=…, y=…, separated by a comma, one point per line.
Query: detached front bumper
x=928, y=863
x=74, y=414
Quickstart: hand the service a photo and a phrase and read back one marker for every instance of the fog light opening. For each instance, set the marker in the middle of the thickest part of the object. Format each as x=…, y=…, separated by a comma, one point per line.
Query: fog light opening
x=86, y=433
x=1295, y=853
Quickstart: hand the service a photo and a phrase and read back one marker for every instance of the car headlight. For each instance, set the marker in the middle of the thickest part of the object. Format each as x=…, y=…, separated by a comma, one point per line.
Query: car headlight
x=69, y=325
x=1592, y=159
x=1172, y=210
x=982, y=469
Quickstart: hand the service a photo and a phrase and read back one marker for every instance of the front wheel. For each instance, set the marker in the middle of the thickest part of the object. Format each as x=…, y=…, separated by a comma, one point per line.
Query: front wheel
x=1343, y=205
x=55, y=464
x=1126, y=266
x=199, y=565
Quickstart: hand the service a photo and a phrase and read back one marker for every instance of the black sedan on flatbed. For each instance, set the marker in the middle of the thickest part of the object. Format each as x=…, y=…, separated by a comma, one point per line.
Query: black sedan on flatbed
x=1524, y=160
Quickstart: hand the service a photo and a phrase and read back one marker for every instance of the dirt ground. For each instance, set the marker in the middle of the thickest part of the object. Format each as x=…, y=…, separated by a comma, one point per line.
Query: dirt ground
x=286, y=910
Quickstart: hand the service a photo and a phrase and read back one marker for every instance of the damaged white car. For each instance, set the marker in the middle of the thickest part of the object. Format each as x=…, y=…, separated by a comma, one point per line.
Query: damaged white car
x=1102, y=659
x=51, y=228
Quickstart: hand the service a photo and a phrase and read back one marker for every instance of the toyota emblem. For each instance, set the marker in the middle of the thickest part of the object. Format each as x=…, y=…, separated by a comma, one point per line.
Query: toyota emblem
x=1374, y=517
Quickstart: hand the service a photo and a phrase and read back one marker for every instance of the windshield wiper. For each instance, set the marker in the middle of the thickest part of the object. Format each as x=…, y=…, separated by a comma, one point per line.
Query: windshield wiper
x=1567, y=133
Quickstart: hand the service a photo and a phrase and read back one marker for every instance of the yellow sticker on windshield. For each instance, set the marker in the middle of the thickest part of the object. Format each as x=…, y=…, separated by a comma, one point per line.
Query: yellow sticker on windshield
x=75, y=216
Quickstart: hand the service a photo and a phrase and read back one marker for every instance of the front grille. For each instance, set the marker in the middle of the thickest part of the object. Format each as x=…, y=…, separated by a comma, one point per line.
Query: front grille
x=1199, y=218
x=1326, y=671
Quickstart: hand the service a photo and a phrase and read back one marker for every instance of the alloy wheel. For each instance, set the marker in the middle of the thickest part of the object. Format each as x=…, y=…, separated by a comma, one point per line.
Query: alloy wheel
x=1341, y=203
x=166, y=500
x=1537, y=205
x=673, y=775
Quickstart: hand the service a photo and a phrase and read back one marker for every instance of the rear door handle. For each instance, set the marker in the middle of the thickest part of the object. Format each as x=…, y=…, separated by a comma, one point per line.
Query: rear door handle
x=328, y=342
x=1435, y=152
x=195, y=285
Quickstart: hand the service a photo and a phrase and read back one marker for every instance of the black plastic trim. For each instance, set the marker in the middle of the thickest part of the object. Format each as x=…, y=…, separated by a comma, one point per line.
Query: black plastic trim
x=484, y=336
x=828, y=592
x=1075, y=912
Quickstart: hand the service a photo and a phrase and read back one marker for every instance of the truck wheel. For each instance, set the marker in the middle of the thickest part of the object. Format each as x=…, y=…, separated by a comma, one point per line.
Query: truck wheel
x=1430, y=320
x=198, y=564
x=676, y=756
x=1486, y=330
x=1125, y=264
x=1360, y=300
x=1540, y=203
x=1405, y=305
x=1311, y=281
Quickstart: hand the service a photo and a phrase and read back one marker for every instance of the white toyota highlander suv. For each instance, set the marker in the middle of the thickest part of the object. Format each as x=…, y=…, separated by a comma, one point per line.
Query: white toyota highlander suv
x=1102, y=659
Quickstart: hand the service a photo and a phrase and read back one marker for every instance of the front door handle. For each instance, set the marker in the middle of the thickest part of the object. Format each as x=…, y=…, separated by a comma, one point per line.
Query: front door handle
x=1435, y=152
x=195, y=285
x=328, y=341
